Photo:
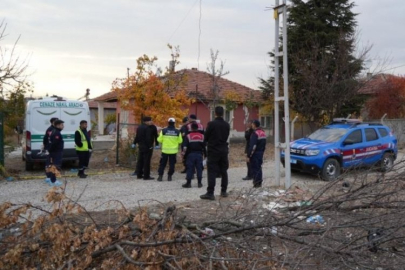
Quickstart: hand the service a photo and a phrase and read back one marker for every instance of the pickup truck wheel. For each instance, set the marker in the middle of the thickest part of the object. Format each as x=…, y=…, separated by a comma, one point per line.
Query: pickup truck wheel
x=387, y=162
x=330, y=170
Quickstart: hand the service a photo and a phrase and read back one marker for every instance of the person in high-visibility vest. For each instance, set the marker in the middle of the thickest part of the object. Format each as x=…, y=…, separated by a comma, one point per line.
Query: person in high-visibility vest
x=83, y=147
x=170, y=139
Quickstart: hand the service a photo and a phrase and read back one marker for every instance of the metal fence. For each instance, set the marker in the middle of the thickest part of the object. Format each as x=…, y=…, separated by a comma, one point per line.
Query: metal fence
x=125, y=156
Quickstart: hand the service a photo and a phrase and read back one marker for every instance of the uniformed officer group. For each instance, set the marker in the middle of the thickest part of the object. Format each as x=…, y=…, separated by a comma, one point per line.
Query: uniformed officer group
x=195, y=144
x=53, y=145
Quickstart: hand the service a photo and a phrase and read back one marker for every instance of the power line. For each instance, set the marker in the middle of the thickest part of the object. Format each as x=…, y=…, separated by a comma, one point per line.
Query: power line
x=199, y=38
x=183, y=19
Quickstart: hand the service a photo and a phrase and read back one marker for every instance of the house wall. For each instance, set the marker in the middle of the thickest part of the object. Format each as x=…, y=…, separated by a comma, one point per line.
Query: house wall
x=201, y=111
x=238, y=124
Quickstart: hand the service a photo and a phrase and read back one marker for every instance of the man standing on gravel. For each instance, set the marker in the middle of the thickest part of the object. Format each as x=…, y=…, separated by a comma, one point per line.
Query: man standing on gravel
x=257, y=145
x=248, y=134
x=216, y=137
x=144, y=139
x=83, y=147
x=170, y=139
x=183, y=131
x=55, y=148
x=45, y=144
x=194, y=149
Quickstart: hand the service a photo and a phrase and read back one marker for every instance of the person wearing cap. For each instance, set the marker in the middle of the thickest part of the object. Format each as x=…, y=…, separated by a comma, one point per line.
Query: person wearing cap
x=144, y=139
x=183, y=131
x=170, y=139
x=216, y=137
x=254, y=155
x=194, y=148
x=45, y=143
x=55, y=148
x=83, y=147
x=248, y=133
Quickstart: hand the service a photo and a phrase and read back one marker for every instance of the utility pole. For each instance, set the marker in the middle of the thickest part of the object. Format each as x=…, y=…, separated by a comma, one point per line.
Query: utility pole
x=281, y=10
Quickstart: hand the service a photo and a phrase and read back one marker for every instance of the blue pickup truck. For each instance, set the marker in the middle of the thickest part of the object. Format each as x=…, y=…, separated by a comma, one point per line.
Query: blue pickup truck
x=343, y=144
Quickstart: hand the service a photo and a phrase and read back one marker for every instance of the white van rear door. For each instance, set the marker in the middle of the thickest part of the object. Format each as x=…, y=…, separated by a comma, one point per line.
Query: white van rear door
x=39, y=118
x=72, y=117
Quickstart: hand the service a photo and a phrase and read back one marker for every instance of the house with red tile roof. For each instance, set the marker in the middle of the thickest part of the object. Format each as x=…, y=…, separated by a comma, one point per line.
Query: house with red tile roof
x=198, y=86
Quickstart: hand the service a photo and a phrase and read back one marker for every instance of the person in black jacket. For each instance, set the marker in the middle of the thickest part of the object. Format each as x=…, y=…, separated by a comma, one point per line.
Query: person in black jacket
x=146, y=136
x=48, y=132
x=257, y=146
x=45, y=143
x=194, y=149
x=248, y=133
x=55, y=148
x=183, y=131
x=83, y=147
x=216, y=137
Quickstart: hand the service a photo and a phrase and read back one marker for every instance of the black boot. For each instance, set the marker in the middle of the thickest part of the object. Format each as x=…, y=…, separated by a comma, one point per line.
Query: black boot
x=200, y=183
x=186, y=185
x=160, y=178
x=169, y=178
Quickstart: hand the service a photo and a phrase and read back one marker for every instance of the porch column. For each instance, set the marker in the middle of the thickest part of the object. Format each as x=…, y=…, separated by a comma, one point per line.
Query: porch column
x=100, y=117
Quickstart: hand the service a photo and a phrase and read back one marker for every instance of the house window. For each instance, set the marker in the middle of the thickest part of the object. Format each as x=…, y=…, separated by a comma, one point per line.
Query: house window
x=265, y=121
x=227, y=114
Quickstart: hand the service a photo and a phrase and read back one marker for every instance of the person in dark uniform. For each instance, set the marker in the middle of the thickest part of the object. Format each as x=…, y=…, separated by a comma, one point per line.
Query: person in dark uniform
x=170, y=139
x=248, y=133
x=194, y=149
x=45, y=143
x=55, y=149
x=183, y=131
x=193, y=120
x=83, y=147
x=216, y=137
x=144, y=139
x=257, y=146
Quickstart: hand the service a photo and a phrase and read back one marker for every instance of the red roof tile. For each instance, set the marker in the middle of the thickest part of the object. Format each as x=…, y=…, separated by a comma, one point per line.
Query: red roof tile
x=106, y=105
x=199, y=83
x=110, y=96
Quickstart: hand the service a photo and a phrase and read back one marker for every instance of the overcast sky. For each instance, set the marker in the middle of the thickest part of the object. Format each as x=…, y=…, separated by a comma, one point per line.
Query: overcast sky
x=74, y=45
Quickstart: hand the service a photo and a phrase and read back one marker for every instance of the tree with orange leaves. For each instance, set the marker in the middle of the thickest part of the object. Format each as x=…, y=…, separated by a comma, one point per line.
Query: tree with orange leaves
x=147, y=93
x=390, y=99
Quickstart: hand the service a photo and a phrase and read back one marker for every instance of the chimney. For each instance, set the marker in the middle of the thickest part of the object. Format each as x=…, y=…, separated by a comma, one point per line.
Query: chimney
x=193, y=68
x=172, y=65
x=369, y=75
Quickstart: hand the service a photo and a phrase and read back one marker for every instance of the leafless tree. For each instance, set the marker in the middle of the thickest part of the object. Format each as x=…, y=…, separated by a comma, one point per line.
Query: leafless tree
x=216, y=74
x=12, y=67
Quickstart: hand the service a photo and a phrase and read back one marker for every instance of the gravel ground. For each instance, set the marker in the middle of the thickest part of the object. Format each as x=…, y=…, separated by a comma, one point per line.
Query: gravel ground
x=103, y=191
x=100, y=192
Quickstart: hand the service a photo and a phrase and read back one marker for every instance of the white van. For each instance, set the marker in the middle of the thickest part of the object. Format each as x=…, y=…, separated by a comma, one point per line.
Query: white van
x=37, y=116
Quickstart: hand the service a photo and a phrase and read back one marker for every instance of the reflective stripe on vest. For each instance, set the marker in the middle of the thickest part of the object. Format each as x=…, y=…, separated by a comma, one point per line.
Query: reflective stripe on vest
x=85, y=146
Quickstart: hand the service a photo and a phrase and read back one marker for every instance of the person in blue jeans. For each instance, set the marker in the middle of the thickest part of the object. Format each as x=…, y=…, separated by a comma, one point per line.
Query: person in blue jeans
x=194, y=150
x=257, y=146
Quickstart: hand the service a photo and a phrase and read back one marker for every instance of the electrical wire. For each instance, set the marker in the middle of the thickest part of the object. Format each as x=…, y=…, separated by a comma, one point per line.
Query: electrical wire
x=182, y=21
x=199, y=38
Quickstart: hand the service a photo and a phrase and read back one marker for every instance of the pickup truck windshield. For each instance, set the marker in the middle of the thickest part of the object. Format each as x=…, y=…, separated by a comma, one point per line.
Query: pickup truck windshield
x=328, y=134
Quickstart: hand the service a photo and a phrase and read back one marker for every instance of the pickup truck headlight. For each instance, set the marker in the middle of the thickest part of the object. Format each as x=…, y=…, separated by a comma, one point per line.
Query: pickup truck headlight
x=310, y=152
